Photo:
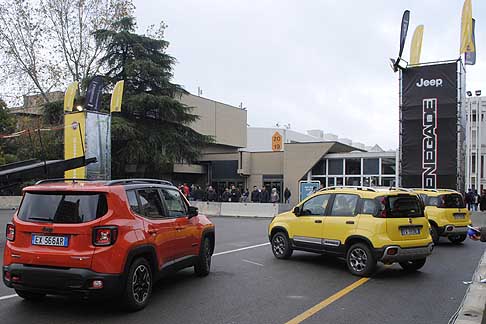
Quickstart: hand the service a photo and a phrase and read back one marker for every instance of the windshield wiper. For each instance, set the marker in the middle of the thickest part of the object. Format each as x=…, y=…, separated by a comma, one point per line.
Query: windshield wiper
x=42, y=219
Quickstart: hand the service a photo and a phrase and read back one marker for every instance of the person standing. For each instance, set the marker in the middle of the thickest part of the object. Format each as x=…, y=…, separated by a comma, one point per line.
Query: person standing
x=235, y=194
x=475, y=200
x=482, y=201
x=226, y=196
x=211, y=194
x=469, y=198
x=287, y=195
x=255, y=195
x=186, y=190
x=245, y=196
x=274, y=197
x=265, y=195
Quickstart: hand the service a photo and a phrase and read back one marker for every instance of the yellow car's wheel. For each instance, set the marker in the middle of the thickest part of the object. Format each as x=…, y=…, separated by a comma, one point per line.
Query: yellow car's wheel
x=360, y=260
x=281, y=247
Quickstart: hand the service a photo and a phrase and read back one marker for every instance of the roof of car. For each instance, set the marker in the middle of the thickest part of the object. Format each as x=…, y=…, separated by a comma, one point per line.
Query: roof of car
x=367, y=192
x=96, y=185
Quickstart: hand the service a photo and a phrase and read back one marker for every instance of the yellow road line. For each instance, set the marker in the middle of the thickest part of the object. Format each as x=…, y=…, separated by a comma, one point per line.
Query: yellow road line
x=326, y=302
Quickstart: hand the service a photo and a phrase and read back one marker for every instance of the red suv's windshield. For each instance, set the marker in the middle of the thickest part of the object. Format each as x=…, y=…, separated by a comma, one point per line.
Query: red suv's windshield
x=62, y=207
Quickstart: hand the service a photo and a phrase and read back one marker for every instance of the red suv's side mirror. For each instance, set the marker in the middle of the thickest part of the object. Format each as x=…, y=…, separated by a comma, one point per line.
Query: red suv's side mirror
x=192, y=212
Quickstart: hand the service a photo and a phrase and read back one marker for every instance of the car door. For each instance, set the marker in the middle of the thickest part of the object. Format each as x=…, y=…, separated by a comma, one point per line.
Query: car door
x=340, y=223
x=159, y=229
x=186, y=236
x=307, y=227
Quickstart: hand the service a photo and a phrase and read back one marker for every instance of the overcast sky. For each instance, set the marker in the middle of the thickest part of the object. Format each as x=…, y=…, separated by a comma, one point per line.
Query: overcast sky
x=314, y=64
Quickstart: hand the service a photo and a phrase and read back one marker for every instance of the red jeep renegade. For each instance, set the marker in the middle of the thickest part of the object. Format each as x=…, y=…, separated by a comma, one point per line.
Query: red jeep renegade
x=112, y=238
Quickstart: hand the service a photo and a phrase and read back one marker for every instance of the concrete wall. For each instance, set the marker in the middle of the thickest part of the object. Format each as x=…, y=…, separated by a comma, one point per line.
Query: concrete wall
x=10, y=202
x=227, y=124
x=240, y=209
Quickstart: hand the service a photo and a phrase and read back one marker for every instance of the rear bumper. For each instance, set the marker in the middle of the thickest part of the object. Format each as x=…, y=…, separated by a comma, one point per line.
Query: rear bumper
x=405, y=254
x=454, y=230
x=57, y=281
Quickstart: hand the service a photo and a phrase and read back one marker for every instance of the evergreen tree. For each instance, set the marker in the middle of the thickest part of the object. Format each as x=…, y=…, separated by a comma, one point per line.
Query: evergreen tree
x=153, y=128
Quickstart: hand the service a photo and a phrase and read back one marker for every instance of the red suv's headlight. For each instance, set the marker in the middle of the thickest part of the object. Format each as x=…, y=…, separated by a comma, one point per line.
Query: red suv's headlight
x=104, y=236
x=10, y=232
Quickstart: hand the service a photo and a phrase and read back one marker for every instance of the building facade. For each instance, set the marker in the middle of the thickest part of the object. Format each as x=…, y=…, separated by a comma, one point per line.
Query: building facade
x=475, y=143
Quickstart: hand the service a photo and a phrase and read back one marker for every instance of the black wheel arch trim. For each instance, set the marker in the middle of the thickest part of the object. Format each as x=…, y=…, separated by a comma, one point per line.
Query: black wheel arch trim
x=358, y=238
x=211, y=233
x=140, y=251
x=277, y=229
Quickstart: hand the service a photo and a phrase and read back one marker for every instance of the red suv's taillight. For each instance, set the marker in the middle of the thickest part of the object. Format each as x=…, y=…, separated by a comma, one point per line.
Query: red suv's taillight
x=104, y=236
x=10, y=232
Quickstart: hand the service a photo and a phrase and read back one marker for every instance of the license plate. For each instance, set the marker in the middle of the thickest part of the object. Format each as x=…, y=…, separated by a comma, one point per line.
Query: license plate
x=459, y=216
x=410, y=230
x=50, y=240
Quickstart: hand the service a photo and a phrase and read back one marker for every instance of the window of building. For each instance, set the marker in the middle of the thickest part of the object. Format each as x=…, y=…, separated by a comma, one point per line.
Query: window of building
x=370, y=181
x=387, y=166
x=482, y=166
x=353, y=181
x=473, y=163
x=319, y=168
x=388, y=181
x=371, y=166
x=353, y=166
x=335, y=167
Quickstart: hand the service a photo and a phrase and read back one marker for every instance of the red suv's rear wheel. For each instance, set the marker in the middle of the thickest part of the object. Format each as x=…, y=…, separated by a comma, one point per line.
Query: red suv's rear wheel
x=139, y=285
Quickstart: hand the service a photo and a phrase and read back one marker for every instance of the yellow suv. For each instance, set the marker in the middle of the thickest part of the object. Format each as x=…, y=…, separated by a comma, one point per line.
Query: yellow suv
x=447, y=214
x=364, y=225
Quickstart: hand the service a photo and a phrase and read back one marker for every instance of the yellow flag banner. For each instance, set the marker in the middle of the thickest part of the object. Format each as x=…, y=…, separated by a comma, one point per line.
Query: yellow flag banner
x=467, y=44
x=116, y=97
x=74, y=133
x=416, y=47
x=69, y=96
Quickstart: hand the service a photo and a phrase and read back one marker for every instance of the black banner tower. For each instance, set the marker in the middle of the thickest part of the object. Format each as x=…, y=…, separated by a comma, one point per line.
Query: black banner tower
x=432, y=126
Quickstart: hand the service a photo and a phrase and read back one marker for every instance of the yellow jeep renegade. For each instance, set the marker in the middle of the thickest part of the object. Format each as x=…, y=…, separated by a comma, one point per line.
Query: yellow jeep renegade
x=362, y=224
x=447, y=214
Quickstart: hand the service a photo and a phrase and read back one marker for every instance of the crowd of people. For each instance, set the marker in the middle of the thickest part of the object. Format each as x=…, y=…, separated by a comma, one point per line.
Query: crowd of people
x=475, y=201
x=234, y=194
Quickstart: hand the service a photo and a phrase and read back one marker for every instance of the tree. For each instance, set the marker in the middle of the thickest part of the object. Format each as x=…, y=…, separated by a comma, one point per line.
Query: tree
x=153, y=127
x=45, y=44
x=73, y=24
x=23, y=40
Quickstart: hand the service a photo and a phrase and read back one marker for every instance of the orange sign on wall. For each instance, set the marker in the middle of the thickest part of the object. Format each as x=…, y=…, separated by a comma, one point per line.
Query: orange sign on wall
x=276, y=142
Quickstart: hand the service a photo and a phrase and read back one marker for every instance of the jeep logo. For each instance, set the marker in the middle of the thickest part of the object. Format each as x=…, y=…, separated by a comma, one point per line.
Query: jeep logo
x=429, y=83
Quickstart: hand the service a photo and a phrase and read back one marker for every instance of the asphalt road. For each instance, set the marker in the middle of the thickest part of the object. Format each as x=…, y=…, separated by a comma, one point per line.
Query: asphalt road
x=251, y=286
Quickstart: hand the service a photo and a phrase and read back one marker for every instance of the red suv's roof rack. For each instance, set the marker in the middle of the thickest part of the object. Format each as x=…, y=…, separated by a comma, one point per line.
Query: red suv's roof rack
x=134, y=181
x=61, y=180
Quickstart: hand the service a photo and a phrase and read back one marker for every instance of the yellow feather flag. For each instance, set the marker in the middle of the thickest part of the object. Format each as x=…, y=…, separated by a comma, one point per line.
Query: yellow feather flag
x=416, y=47
x=467, y=44
x=116, y=97
x=69, y=96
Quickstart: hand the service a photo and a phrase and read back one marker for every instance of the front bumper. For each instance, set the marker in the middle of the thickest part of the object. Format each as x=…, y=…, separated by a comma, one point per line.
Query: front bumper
x=405, y=254
x=454, y=230
x=60, y=281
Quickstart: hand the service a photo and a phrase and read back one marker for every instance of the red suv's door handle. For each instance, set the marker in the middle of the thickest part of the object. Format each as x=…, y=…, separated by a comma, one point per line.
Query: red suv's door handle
x=179, y=229
x=152, y=231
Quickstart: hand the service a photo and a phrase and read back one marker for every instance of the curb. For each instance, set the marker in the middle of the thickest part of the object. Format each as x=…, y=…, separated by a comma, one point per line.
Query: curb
x=473, y=307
